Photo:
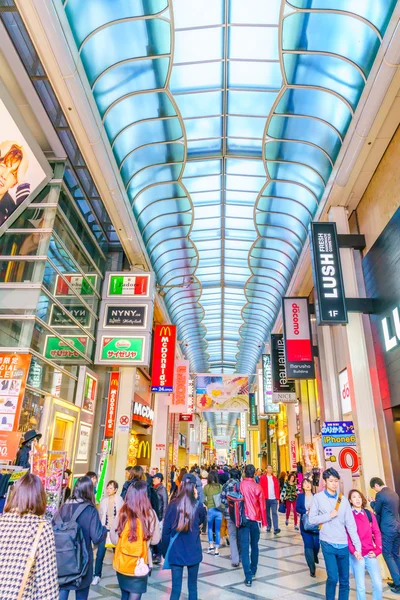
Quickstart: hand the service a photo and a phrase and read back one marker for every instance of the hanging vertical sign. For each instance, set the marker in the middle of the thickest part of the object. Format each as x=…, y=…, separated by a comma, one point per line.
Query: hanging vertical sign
x=164, y=341
x=180, y=397
x=283, y=390
x=297, y=337
x=112, y=404
x=268, y=406
x=242, y=426
x=253, y=410
x=330, y=304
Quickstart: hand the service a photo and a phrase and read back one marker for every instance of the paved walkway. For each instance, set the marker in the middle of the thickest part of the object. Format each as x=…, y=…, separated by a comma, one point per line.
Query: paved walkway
x=282, y=572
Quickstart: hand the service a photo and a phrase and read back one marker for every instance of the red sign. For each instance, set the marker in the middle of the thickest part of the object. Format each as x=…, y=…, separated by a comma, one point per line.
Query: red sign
x=297, y=335
x=293, y=454
x=179, y=399
x=9, y=444
x=112, y=405
x=13, y=373
x=184, y=418
x=164, y=341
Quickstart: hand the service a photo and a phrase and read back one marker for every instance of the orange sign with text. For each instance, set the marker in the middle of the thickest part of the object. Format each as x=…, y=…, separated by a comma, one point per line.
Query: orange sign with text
x=13, y=374
x=179, y=399
x=9, y=444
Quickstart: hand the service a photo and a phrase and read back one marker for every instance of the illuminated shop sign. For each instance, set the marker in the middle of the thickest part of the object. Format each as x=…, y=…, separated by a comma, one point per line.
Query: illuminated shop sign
x=327, y=272
x=59, y=318
x=112, y=405
x=283, y=390
x=143, y=413
x=57, y=350
x=269, y=406
x=72, y=283
x=164, y=341
x=297, y=337
x=391, y=330
x=127, y=316
x=179, y=399
x=253, y=410
x=129, y=285
x=122, y=350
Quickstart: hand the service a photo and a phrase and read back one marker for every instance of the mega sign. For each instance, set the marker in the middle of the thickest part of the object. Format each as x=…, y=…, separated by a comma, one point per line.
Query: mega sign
x=283, y=390
x=112, y=404
x=391, y=330
x=297, y=336
x=164, y=341
x=327, y=273
x=143, y=413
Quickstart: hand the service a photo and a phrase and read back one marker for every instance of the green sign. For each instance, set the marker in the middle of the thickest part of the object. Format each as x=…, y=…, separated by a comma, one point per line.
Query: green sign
x=56, y=349
x=234, y=443
x=122, y=349
x=60, y=318
x=253, y=410
x=129, y=285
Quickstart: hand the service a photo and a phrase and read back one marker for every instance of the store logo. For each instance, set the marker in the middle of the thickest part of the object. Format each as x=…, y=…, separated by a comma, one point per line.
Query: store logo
x=143, y=412
x=295, y=318
x=143, y=450
x=391, y=341
x=165, y=331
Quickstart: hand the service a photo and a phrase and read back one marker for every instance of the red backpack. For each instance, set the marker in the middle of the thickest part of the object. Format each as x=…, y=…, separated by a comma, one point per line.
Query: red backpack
x=236, y=506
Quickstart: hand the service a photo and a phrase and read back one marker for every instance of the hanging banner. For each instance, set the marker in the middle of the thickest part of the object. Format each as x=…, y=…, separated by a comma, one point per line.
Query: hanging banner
x=340, y=446
x=253, y=410
x=268, y=406
x=204, y=432
x=13, y=374
x=180, y=397
x=112, y=404
x=164, y=341
x=221, y=442
x=297, y=337
x=330, y=305
x=222, y=392
x=242, y=426
x=283, y=390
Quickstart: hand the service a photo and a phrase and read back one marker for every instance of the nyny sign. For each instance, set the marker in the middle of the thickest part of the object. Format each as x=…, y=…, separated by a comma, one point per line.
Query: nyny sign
x=327, y=273
x=164, y=341
x=283, y=390
x=126, y=316
x=297, y=336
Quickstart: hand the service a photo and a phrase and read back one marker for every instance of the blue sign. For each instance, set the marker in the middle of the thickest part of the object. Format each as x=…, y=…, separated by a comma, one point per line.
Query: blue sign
x=161, y=388
x=338, y=433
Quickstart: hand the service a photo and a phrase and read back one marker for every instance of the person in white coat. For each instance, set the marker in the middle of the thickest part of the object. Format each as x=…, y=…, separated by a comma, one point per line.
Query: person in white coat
x=109, y=513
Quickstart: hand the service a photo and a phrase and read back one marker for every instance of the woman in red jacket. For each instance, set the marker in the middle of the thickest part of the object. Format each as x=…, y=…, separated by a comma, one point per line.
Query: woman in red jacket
x=371, y=546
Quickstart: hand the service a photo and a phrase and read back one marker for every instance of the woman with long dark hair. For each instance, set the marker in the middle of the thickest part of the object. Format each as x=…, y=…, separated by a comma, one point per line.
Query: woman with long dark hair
x=310, y=538
x=181, y=537
x=83, y=499
x=137, y=528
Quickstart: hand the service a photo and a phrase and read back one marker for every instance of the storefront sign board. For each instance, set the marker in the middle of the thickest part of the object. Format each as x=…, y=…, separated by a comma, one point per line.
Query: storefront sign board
x=89, y=394
x=112, y=402
x=327, y=273
x=9, y=444
x=142, y=413
x=283, y=390
x=339, y=443
x=186, y=418
x=267, y=407
x=253, y=410
x=124, y=424
x=163, y=358
x=129, y=285
x=61, y=320
x=297, y=337
x=125, y=316
x=73, y=283
x=14, y=370
x=180, y=396
x=123, y=350
x=57, y=350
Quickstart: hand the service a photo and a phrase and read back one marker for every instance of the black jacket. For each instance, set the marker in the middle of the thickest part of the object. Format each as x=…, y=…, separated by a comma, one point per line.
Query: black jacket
x=162, y=500
x=151, y=493
x=223, y=477
x=186, y=549
x=22, y=459
x=386, y=507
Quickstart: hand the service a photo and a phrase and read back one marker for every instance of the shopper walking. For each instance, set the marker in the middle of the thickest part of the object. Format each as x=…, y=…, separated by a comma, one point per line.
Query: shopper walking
x=163, y=505
x=309, y=533
x=249, y=532
x=181, y=543
x=289, y=496
x=27, y=549
x=371, y=547
x=332, y=510
x=386, y=507
x=199, y=485
x=282, y=479
x=137, y=474
x=212, y=499
x=94, y=532
x=109, y=513
x=232, y=485
x=270, y=487
x=137, y=528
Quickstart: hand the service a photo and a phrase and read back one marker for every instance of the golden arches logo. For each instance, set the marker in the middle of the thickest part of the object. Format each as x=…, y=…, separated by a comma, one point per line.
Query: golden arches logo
x=166, y=330
x=143, y=450
x=114, y=382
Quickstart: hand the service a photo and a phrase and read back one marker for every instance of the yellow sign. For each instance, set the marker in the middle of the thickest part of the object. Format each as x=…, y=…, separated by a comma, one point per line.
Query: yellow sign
x=143, y=450
x=165, y=331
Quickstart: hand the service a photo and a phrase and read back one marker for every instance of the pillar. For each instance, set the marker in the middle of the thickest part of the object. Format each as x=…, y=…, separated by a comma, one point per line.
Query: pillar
x=159, y=443
x=121, y=438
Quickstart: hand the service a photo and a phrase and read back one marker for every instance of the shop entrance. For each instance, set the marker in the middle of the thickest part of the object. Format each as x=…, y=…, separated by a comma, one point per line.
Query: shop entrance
x=63, y=434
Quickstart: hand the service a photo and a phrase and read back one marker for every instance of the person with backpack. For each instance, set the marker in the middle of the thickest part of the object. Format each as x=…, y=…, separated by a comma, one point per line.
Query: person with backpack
x=212, y=499
x=76, y=527
x=27, y=550
x=232, y=485
x=181, y=544
x=371, y=547
x=137, y=474
x=109, y=513
x=138, y=528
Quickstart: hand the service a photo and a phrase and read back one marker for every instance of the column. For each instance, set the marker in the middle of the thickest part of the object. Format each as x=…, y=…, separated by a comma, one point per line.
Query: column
x=358, y=368
x=330, y=405
x=159, y=442
x=121, y=437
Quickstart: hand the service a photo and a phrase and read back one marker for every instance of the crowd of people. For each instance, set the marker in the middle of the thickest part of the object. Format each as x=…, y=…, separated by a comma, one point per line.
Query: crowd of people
x=153, y=524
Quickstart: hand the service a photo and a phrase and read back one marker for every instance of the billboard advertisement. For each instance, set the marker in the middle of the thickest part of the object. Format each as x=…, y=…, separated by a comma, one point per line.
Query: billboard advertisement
x=222, y=392
x=13, y=374
x=164, y=341
x=283, y=390
x=180, y=397
x=267, y=407
x=340, y=446
x=298, y=340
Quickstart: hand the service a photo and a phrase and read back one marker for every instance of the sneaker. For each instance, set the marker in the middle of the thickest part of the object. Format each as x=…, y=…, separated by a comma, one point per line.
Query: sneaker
x=235, y=565
x=96, y=580
x=156, y=560
x=247, y=582
x=395, y=589
x=268, y=529
x=312, y=575
x=277, y=531
x=216, y=553
x=210, y=549
x=296, y=528
x=390, y=584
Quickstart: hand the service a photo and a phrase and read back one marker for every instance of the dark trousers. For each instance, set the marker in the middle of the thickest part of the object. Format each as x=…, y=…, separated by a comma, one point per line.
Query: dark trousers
x=390, y=551
x=272, y=507
x=311, y=558
x=249, y=535
x=79, y=594
x=101, y=552
x=177, y=576
x=337, y=561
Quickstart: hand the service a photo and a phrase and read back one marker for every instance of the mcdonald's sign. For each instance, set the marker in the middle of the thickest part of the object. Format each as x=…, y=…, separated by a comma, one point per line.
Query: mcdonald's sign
x=143, y=450
x=164, y=341
x=112, y=405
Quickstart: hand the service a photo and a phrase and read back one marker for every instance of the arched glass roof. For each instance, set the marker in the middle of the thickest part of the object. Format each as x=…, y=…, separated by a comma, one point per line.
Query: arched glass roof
x=226, y=118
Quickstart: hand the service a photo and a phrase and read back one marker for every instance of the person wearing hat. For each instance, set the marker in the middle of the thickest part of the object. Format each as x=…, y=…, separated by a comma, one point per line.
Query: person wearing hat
x=13, y=168
x=22, y=459
x=162, y=494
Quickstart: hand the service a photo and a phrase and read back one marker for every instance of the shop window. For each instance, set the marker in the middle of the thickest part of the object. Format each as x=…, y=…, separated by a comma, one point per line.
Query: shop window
x=49, y=379
x=32, y=409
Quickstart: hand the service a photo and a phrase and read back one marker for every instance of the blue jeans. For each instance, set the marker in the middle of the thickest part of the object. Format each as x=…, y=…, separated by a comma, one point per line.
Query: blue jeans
x=249, y=535
x=101, y=552
x=177, y=575
x=372, y=566
x=390, y=551
x=214, y=516
x=337, y=563
x=79, y=594
x=272, y=506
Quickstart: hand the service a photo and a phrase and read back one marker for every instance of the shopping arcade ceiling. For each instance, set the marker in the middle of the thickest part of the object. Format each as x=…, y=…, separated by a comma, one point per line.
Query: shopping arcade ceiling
x=226, y=118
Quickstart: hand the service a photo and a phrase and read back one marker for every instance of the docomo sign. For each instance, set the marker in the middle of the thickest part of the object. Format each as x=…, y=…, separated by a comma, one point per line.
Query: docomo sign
x=179, y=400
x=112, y=404
x=297, y=337
x=163, y=358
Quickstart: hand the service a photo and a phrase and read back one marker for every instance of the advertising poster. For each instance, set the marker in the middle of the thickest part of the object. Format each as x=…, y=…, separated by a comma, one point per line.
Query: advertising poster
x=82, y=453
x=21, y=173
x=89, y=394
x=180, y=396
x=283, y=390
x=13, y=375
x=162, y=379
x=340, y=446
x=222, y=393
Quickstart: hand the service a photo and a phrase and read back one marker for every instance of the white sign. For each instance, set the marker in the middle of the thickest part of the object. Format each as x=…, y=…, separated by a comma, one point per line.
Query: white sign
x=391, y=325
x=221, y=442
x=124, y=423
x=242, y=426
x=83, y=444
x=204, y=432
x=345, y=396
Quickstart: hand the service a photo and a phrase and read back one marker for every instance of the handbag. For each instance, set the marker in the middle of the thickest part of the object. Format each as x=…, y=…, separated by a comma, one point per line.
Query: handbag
x=141, y=569
x=30, y=561
x=307, y=525
x=217, y=501
x=282, y=508
x=166, y=564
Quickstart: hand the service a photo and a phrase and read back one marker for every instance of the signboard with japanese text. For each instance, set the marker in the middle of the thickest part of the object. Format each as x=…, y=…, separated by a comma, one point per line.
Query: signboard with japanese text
x=330, y=302
x=204, y=432
x=9, y=444
x=242, y=426
x=112, y=404
x=123, y=350
x=340, y=446
x=59, y=351
x=71, y=284
x=185, y=418
x=338, y=433
x=297, y=337
x=129, y=285
x=253, y=410
x=179, y=398
x=283, y=390
x=267, y=407
x=14, y=370
x=164, y=342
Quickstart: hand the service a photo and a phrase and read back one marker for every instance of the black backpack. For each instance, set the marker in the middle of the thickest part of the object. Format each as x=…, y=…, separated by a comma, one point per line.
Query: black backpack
x=71, y=551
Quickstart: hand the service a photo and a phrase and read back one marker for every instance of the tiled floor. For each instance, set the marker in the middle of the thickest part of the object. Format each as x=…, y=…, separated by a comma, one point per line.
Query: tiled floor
x=282, y=573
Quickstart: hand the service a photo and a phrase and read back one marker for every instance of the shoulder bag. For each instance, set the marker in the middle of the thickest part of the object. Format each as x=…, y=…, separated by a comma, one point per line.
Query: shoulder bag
x=30, y=561
x=217, y=501
x=166, y=564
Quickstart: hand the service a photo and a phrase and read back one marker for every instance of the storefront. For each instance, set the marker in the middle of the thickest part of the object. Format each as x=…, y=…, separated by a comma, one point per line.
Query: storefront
x=139, y=451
